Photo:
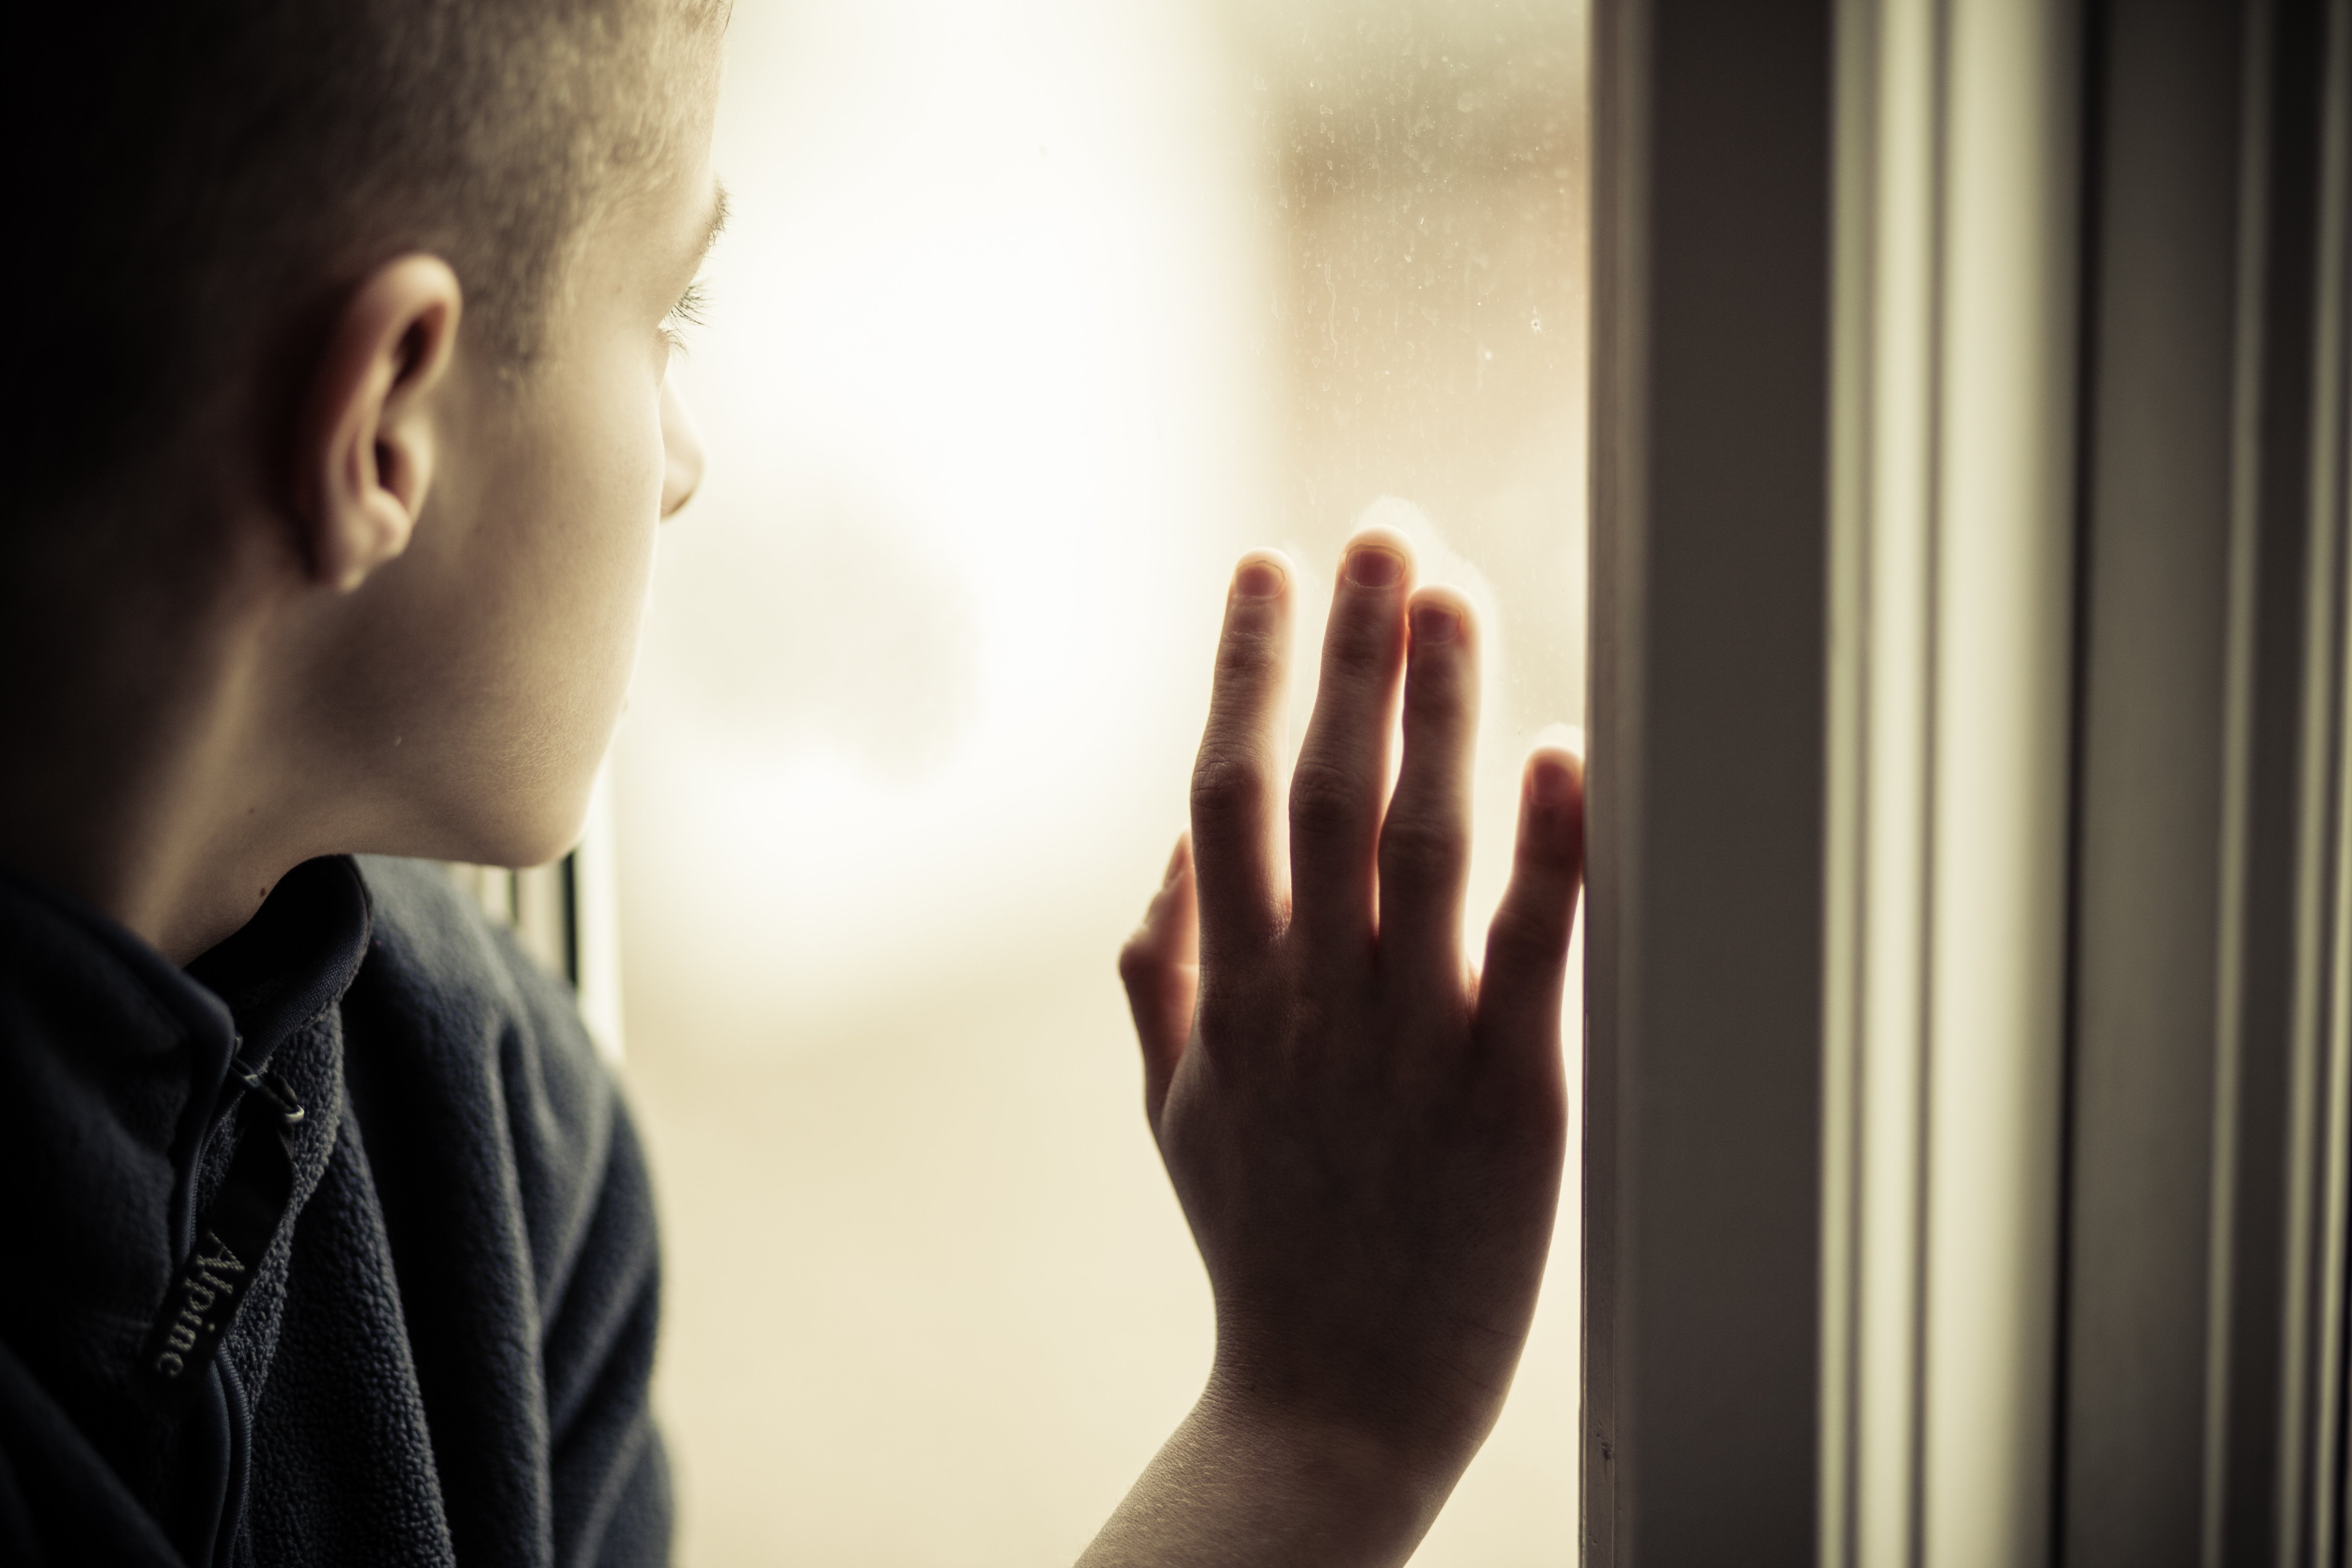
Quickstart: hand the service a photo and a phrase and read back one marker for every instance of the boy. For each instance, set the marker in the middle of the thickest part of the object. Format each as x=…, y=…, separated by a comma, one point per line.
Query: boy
x=330, y=537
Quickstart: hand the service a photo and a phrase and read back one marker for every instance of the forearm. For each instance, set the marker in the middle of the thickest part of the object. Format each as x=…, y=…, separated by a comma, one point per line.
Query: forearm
x=1235, y=1490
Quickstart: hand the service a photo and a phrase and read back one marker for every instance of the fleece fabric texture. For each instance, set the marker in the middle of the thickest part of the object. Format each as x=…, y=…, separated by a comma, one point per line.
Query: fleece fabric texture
x=444, y=1353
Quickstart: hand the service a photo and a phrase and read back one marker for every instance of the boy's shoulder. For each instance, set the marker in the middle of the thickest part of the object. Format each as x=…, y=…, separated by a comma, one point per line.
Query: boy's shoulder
x=425, y=925
x=514, y=1192
x=463, y=1054
x=443, y=968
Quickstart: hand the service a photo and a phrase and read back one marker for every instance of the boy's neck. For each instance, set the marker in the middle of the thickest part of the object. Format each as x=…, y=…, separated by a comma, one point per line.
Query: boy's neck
x=140, y=780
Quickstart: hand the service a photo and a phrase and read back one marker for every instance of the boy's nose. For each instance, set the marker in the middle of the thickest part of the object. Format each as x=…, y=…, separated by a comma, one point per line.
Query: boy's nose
x=681, y=450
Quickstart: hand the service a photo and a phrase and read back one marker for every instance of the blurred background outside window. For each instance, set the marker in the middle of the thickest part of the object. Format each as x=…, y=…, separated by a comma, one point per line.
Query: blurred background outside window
x=1033, y=316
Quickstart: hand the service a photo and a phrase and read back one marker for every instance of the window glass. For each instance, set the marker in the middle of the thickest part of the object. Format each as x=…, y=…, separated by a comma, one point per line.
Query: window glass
x=1033, y=315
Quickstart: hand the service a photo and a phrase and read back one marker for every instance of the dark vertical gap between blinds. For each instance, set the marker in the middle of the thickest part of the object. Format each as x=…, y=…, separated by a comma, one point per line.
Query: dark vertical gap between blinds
x=2091, y=254
x=2259, y=1356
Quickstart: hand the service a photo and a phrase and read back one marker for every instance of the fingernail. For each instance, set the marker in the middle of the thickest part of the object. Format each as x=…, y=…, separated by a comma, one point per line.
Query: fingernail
x=1373, y=567
x=1434, y=624
x=1258, y=580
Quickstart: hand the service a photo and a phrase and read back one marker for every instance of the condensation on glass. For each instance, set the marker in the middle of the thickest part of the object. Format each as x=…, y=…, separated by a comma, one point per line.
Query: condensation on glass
x=1427, y=169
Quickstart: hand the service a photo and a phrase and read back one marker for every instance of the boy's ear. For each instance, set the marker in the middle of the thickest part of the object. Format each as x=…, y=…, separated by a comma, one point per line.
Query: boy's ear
x=365, y=447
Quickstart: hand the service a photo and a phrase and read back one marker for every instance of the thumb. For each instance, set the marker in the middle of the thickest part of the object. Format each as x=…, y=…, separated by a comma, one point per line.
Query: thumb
x=1160, y=966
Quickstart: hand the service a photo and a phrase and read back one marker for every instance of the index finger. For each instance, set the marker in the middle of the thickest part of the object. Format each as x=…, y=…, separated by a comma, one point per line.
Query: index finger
x=1235, y=779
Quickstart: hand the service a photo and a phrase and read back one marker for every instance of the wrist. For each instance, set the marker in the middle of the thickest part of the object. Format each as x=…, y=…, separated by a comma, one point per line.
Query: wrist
x=1393, y=1418
x=1246, y=1481
x=1371, y=1476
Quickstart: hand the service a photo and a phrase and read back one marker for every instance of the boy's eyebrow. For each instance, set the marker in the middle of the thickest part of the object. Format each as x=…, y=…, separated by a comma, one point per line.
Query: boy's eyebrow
x=715, y=224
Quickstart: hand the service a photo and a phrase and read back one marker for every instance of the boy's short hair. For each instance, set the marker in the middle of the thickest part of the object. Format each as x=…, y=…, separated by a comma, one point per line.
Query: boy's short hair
x=199, y=182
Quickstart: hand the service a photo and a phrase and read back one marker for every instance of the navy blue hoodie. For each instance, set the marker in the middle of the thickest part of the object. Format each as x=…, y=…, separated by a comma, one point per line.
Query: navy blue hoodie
x=442, y=1355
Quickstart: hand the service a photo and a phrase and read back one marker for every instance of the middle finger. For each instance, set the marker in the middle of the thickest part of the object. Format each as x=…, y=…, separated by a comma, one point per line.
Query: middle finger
x=1337, y=791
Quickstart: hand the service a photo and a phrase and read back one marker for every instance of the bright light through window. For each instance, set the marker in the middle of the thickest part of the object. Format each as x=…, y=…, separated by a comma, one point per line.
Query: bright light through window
x=1033, y=315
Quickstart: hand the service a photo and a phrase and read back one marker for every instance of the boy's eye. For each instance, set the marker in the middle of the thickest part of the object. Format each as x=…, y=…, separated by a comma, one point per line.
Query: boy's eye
x=686, y=312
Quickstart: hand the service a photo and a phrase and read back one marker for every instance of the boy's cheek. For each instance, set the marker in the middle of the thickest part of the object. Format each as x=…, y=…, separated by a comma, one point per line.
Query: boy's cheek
x=591, y=555
x=523, y=614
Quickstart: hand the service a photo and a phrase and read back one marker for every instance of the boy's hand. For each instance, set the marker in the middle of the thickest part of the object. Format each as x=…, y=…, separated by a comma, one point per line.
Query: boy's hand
x=1365, y=1136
